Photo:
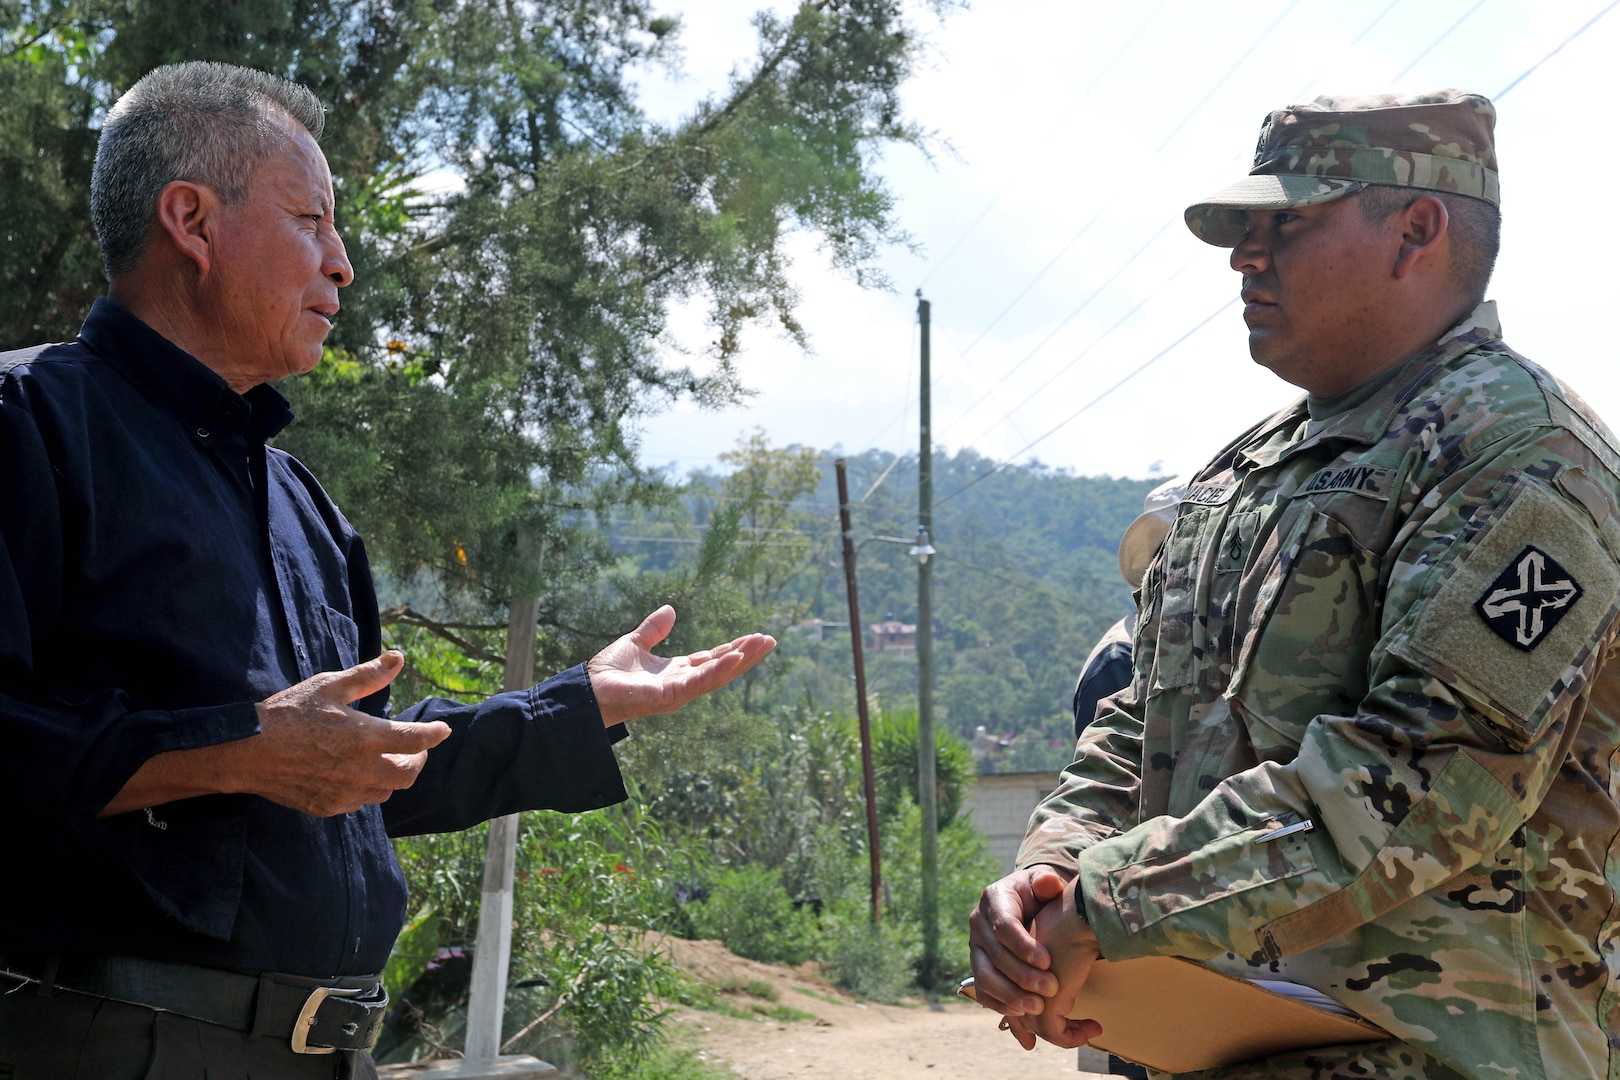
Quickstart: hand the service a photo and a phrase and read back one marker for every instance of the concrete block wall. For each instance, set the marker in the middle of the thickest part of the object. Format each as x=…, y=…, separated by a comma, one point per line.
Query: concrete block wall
x=1001, y=805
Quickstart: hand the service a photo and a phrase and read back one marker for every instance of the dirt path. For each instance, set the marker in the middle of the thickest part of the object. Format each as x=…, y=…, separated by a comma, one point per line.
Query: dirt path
x=844, y=1038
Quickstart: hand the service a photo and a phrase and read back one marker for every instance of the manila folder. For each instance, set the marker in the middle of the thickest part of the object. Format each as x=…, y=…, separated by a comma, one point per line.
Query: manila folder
x=1176, y=1016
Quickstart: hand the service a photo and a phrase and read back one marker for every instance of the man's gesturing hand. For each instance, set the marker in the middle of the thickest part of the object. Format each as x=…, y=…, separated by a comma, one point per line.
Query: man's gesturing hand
x=629, y=681
x=313, y=753
x=320, y=757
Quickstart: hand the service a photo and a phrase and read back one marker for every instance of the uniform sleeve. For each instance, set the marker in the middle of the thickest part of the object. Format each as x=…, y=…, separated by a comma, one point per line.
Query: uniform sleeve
x=1498, y=610
x=538, y=749
x=67, y=757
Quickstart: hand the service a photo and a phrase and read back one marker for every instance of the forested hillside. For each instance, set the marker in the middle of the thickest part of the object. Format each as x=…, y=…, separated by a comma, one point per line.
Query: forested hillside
x=1026, y=579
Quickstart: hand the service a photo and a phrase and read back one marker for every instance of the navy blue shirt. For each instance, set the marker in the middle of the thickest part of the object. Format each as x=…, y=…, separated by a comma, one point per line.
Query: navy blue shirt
x=161, y=571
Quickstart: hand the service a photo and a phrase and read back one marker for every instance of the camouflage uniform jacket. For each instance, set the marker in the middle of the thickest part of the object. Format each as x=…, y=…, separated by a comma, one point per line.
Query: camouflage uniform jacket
x=1392, y=623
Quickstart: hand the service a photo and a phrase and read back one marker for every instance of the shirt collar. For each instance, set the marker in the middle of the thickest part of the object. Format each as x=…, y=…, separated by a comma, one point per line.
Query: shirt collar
x=1367, y=420
x=180, y=382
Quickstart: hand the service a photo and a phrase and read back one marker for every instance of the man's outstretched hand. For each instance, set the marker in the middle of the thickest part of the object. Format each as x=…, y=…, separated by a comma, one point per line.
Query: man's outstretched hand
x=629, y=681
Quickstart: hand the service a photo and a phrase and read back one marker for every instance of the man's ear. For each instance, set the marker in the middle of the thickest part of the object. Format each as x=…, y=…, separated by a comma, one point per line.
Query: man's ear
x=1423, y=228
x=185, y=213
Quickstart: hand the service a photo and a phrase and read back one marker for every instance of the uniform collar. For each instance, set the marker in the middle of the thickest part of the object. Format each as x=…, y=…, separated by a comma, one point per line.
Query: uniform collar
x=1367, y=421
x=178, y=381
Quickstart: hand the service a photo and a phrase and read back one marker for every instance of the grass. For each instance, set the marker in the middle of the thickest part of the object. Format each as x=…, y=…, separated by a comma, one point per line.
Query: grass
x=807, y=992
x=676, y=1058
x=750, y=999
x=784, y=1014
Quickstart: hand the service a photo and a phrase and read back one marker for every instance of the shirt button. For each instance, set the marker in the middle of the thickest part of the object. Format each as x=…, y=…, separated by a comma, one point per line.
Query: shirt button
x=202, y=433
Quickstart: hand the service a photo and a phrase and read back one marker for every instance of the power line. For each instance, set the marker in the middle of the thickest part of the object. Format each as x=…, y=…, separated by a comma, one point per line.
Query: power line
x=1526, y=73
x=1230, y=72
x=1213, y=90
x=1415, y=60
x=1264, y=34
x=1365, y=30
x=1155, y=358
x=1255, y=44
x=991, y=205
x=1121, y=321
x=1299, y=95
x=1070, y=317
x=1064, y=250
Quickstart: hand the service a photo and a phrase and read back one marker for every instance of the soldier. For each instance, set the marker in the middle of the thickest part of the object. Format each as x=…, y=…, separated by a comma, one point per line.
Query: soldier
x=1370, y=736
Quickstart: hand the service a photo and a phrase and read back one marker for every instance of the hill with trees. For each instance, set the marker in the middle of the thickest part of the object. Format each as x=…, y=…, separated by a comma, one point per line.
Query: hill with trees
x=1026, y=580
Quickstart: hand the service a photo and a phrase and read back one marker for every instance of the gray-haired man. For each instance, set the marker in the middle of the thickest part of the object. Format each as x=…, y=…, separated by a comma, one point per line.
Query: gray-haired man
x=200, y=776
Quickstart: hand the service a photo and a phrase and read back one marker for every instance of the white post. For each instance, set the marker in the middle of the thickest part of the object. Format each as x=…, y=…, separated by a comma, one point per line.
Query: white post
x=486, y=1007
x=492, y=955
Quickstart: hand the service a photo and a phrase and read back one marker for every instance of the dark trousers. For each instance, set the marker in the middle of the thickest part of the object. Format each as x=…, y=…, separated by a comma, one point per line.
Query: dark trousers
x=69, y=1036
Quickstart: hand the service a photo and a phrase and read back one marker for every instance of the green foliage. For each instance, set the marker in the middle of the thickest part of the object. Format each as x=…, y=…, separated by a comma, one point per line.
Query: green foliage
x=50, y=269
x=894, y=760
x=414, y=949
x=871, y=961
x=586, y=888
x=749, y=910
x=677, y=1059
x=501, y=337
x=966, y=867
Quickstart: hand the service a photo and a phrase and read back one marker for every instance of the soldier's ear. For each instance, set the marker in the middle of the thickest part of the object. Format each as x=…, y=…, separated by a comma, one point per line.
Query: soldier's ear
x=1423, y=227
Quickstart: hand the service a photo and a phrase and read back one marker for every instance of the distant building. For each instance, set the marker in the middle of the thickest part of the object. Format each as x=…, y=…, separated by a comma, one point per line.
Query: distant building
x=892, y=636
x=1001, y=804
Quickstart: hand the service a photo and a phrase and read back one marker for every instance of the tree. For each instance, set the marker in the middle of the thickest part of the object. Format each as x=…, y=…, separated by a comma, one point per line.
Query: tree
x=500, y=341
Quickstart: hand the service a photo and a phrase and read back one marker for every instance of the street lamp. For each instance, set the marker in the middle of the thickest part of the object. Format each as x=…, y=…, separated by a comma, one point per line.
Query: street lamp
x=920, y=548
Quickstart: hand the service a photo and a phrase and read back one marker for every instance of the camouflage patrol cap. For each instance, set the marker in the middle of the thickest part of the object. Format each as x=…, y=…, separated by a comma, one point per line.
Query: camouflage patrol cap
x=1333, y=146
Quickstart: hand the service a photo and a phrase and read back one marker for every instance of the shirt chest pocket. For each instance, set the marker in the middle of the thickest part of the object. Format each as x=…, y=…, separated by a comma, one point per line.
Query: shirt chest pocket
x=343, y=638
x=1308, y=619
x=1179, y=647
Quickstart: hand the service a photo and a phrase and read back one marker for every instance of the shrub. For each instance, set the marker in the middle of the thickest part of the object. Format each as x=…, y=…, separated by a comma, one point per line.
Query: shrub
x=749, y=910
x=874, y=962
x=965, y=867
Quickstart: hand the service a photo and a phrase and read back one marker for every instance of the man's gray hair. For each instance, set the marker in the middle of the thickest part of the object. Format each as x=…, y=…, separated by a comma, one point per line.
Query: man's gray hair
x=208, y=123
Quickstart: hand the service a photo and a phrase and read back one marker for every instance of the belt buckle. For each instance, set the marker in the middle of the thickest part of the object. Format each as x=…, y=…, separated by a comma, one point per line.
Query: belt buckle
x=306, y=1020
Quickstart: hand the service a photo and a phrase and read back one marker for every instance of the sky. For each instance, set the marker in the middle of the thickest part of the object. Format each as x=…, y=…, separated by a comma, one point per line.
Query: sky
x=1075, y=320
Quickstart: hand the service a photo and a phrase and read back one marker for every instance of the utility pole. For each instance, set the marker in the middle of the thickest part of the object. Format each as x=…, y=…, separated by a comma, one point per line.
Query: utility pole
x=927, y=798
x=492, y=955
x=868, y=778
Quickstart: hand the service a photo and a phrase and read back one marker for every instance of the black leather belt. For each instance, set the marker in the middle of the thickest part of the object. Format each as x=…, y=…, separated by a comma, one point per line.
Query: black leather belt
x=315, y=1016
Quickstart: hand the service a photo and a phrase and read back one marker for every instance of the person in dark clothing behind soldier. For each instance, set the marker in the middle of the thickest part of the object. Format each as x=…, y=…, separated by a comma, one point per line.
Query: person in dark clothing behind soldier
x=201, y=775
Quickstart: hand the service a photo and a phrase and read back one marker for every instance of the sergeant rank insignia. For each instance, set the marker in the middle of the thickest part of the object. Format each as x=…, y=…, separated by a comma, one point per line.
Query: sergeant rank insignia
x=1528, y=599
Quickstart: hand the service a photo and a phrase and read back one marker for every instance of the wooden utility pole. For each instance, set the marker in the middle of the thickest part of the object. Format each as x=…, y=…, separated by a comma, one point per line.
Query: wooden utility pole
x=868, y=776
x=927, y=799
x=492, y=954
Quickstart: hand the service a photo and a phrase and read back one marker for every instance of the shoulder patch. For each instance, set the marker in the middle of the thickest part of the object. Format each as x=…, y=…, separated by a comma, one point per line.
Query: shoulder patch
x=1520, y=610
x=1369, y=480
x=1528, y=599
